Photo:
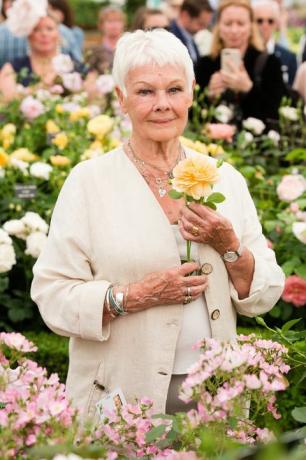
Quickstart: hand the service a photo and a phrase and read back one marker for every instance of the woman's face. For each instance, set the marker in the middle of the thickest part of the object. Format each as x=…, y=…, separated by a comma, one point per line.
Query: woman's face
x=112, y=26
x=45, y=37
x=235, y=27
x=157, y=101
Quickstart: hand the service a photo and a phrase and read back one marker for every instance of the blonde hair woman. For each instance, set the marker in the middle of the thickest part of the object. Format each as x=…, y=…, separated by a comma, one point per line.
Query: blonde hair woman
x=254, y=85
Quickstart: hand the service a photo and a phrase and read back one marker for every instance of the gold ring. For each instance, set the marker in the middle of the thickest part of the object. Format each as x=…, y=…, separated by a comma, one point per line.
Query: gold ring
x=195, y=230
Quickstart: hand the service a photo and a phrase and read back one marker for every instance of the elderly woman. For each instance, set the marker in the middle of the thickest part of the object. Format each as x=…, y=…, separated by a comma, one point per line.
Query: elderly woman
x=255, y=86
x=110, y=276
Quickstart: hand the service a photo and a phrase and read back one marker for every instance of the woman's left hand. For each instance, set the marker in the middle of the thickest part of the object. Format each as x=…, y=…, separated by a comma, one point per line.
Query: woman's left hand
x=204, y=225
x=237, y=79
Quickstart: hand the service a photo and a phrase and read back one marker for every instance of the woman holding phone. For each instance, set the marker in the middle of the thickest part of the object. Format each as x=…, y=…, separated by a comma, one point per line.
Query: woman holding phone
x=237, y=71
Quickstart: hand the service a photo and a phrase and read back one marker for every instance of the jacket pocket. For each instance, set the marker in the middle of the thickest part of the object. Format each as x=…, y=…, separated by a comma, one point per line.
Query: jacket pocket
x=97, y=392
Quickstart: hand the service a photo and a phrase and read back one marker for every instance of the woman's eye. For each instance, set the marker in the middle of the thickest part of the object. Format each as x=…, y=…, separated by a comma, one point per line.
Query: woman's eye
x=175, y=89
x=144, y=92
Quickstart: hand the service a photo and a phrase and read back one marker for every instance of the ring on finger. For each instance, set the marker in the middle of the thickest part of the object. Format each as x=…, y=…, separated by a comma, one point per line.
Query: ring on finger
x=195, y=230
x=187, y=299
x=189, y=293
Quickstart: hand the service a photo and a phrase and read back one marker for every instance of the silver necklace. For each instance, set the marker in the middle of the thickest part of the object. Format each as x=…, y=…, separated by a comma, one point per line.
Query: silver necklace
x=159, y=182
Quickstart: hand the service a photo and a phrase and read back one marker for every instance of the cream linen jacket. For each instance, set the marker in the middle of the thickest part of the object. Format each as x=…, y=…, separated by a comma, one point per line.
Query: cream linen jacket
x=107, y=227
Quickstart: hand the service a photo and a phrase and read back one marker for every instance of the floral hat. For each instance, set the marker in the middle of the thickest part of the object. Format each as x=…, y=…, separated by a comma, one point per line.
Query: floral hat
x=24, y=15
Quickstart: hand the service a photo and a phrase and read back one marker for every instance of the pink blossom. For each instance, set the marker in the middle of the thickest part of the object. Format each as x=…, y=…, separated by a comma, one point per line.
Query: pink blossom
x=220, y=131
x=105, y=84
x=295, y=291
x=31, y=108
x=17, y=341
x=72, y=81
x=291, y=187
x=252, y=381
x=56, y=89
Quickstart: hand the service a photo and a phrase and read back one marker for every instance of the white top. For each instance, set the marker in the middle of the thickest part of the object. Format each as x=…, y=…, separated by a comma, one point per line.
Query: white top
x=195, y=323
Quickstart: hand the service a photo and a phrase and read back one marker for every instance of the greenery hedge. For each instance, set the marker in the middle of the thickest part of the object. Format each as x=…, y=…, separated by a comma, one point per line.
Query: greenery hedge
x=86, y=11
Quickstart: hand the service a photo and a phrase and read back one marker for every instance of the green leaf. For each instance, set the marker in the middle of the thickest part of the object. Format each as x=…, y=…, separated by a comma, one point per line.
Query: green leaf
x=210, y=205
x=289, y=266
x=216, y=197
x=301, y=271
x=155, y=433
x=175, y=194
x=220, y=163
x=289, y=324
x=296, y=154
x=299, y=414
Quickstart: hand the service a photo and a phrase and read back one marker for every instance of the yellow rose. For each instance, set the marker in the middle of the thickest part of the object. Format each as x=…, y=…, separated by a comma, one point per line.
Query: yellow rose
x=82, y=112
x=195, y=176
x=52, y=127
x=59, y=160
x=113, y=143
x=59, y=108
x=60, y=140
x=8, y=130
x=4, y=158
x=100, y=126
x=215, y=149
x=24, y=155
x=194, y=145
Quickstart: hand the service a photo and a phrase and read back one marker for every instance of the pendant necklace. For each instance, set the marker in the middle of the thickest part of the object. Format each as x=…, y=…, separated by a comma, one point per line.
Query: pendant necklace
x=159, y=182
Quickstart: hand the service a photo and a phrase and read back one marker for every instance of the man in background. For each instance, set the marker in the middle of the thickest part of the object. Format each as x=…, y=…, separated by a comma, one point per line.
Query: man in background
x=267, y=16
x=194, y=15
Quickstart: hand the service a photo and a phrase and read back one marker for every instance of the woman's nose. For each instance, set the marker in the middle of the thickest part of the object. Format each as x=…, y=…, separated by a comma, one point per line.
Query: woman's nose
x=162, y=101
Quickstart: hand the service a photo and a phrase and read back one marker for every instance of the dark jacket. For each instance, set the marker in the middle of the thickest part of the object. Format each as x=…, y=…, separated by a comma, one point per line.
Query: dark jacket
x=26, y=77
x=288, y=62
x=263, y=100
x=176, y=30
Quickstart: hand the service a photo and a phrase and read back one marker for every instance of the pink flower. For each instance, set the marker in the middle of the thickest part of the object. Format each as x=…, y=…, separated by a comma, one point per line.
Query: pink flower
x=269, y=243
x=105, y=84
x=220, y=131
x=17, y=341
x=72, y=81
x=31, y=108
x=291, y=187
x=295, y=291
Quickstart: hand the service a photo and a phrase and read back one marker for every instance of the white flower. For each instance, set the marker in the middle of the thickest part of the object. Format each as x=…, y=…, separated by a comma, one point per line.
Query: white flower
x=35, y=223
x=40, y=170
x=62, y=63
x=72, y=81
x=274, y=136
x=247, y=139
x=19, y=164
x=23, y=16
x=70, y=107
x=16, y=228
x=290, y=113
x=42, y=94
x=7, y=257
x=254, y=124
x=291, y=187
x=299, y=231
x=105, y=84
x=4, y=237
x=2, y=173
x=35, y=243
x=31, y=108
x=223, y=113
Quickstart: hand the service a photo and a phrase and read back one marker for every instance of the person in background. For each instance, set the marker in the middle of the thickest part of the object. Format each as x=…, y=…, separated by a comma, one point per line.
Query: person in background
x=300, y=81
x=111, y=24
x=64, y=15
x=12, y=46
x=267, y=16
x=194, y=16
x=282, y=24
x=110, y=275
x=171, y=8
x=149, y=19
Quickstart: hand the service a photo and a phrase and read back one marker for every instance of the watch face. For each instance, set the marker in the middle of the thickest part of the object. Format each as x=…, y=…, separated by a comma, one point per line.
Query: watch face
x=230, y=256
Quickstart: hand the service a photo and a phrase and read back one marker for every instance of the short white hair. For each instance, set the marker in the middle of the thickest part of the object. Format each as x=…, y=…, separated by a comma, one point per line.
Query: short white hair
x=271, y=4
x=160, y=47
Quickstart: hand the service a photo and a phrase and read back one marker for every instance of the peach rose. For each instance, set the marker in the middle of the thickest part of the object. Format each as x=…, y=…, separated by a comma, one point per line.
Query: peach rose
x=59, y=160
x=295, y=291
x=291, y=187
x=220, y=131
x=195, y=176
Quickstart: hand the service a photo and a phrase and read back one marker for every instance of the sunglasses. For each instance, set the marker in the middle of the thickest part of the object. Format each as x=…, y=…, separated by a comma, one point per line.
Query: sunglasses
x=268, y=20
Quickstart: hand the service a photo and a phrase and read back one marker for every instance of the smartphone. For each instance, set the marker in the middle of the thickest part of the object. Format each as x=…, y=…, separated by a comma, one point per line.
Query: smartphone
x=232, y=55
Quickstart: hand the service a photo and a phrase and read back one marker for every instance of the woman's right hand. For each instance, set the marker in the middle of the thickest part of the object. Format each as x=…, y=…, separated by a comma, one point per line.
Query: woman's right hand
x=216, y=85
x=167, y=287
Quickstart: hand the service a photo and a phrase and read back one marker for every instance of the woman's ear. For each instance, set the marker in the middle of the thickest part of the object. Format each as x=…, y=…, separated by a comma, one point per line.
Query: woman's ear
x=121, y=98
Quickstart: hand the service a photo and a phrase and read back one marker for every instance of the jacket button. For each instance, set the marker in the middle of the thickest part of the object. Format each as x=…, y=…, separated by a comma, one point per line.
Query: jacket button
x=215, y=314
x=206, y=269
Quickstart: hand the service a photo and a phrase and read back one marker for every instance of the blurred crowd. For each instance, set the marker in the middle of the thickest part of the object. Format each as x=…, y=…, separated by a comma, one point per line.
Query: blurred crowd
x=253, y=80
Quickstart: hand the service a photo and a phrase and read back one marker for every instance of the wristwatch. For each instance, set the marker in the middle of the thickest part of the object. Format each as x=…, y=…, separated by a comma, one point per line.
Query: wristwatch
x=232, y=256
